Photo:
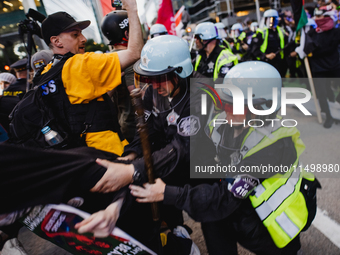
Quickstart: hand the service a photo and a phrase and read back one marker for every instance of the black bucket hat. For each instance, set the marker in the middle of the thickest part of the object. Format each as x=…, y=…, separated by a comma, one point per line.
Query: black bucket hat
x=59, y=22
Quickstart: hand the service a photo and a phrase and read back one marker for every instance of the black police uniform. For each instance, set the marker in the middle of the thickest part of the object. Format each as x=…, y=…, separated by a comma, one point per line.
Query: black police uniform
x=12, y=95
x=206, y=66
x=273, y=47
x=169, y=136
x=225, y=219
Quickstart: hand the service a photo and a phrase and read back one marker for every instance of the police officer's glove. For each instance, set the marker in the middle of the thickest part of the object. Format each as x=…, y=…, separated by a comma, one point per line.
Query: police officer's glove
x=243, y=185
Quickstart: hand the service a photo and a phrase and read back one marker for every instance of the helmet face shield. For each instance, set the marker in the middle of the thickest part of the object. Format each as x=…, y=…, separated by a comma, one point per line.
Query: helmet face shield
x=163, y=89
x=158, y=34
x=271, y=22
x=221, y=33
x=235, y=33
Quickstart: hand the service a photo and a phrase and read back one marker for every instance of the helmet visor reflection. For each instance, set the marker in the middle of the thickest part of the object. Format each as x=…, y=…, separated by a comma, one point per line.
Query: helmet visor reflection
x=162, y=89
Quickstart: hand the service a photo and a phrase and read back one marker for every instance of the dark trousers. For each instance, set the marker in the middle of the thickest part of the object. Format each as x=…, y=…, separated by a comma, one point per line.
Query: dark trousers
x=323, y=88
x=221, y=238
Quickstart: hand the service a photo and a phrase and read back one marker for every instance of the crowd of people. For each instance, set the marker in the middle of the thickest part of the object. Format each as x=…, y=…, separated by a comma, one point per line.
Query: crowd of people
x=104, y=156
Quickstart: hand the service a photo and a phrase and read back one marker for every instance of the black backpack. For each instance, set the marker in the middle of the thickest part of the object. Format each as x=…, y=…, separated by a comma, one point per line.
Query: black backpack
x=32, y=114
x=28, y=117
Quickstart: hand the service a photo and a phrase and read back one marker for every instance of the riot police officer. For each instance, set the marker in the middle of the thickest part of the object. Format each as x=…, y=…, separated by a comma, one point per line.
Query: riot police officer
x=212, y=61
x=240, y=45
x=262, y=212
x=157, y=30
x=163, y=74
x=270, y=42
x=14, y=92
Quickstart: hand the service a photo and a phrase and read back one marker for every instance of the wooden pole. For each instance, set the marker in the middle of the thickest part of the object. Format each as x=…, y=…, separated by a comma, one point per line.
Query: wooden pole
x=136, y=95
x=311, y=82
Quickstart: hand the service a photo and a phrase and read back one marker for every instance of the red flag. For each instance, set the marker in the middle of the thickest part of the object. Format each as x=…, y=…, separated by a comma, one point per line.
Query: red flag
x=166, y=16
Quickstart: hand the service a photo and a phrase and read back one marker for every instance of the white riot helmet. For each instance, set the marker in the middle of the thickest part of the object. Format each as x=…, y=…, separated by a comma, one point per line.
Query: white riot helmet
x=236, y=30
x=220, y=29
x=254, y=26
x=271, y=18
x=263, y=80
x=157, y=30
x=165, y=63
x=206, y=31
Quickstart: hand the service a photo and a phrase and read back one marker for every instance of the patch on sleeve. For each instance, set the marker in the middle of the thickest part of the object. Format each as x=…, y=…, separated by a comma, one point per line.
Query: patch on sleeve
x=189, y=126
x=225, y=69
x=146, y=115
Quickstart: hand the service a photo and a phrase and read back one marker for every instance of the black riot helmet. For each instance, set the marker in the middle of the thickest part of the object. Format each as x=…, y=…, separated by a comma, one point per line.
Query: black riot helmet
x=114, y=25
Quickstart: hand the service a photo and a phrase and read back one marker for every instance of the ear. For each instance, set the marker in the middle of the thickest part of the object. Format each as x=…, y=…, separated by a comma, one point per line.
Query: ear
x=55, y=41
x=126, y=34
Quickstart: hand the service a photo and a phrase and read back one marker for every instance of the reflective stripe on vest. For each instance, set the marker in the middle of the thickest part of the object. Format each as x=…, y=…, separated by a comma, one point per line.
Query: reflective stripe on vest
x=277, y=200
x=282, y=193
x=198, y=60
x=225, y=57
x=265, y=34
x=214, y=134
x=228, y=44
x=240, y=38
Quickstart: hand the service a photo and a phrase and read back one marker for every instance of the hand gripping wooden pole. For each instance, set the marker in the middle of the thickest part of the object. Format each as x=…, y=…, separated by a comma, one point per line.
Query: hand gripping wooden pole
x=137, y=102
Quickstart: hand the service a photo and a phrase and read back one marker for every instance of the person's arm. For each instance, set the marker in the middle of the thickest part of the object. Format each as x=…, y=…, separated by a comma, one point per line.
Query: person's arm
x=101, y=223
x=214, y=202
x=135, y=45
x=203, y=203
x=257, y=45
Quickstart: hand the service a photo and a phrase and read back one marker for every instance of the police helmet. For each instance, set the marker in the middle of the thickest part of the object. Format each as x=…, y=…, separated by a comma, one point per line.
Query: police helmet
x=237, y=26
x=114, y=25
x=206, y=31
x=260, y=76
x=271, y=18
x=254, y=26
x=236, y=30
x=220, y=29
x=157, y=30
x=163, y=59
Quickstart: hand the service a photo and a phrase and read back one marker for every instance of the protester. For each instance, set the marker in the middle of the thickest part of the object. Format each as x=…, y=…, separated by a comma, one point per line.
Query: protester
x=33, y=177
x=325, y=61
x=85, y=110
x=115, y=27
